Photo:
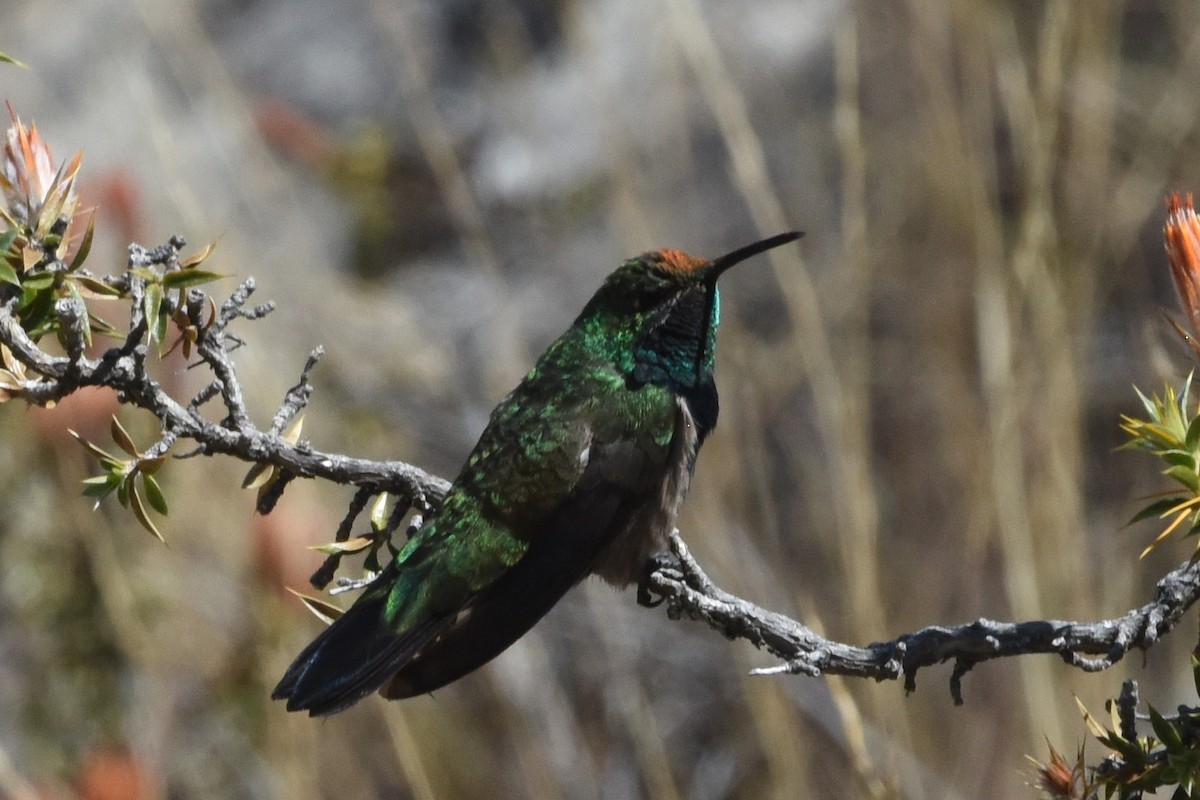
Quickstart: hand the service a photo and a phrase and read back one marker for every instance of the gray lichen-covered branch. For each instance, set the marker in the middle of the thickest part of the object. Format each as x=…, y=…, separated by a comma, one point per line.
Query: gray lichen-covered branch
x=689, y=593
x=123, y=369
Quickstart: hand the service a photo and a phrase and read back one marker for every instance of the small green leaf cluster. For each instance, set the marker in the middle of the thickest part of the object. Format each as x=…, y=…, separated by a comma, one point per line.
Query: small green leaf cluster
x=162, y=303
x=130, y=478
x=29, y=262
x=41, y=263
x=31, y=265
x=1140, y=764
x=1171, y=432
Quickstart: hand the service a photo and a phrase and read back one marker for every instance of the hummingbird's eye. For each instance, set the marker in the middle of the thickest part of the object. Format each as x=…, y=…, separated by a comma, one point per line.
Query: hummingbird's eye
x=643, y=283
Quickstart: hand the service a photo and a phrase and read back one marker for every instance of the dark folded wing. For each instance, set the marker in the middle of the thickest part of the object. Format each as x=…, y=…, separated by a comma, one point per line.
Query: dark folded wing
x=557, y=559
x=352, y=658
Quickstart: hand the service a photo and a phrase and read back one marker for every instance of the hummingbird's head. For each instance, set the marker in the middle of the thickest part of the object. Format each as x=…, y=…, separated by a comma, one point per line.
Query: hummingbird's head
x=665, y=305
x=648, y=281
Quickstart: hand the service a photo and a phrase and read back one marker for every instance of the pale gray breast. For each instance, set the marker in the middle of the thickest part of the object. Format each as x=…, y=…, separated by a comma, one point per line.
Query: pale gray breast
x=623, y=560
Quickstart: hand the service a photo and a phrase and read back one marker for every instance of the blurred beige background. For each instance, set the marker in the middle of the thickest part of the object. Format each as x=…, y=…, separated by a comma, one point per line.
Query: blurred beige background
x=920, y=401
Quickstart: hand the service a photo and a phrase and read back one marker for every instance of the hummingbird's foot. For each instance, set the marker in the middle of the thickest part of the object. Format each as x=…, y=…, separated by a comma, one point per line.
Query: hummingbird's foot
x=659, y=561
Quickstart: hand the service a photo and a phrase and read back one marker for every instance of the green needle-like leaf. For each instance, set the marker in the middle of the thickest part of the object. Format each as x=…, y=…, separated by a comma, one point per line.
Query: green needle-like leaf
x=95, y=287
x=100, y=486
x=1146, y=403
x=154, y=494
x=258, y=475
x=1157, y=509
x=190, y=277
x=1186, y=476
x=150, y=307
x=1193, y=434
x=379, y=512
x=355, y=545
x=199, y=257
x=99, y=452
x=122, y=437
x=1196, y=673
x=326, y=612
x=85, y=245
x=103, y=327
x=139, y=511
x=39, y=281
x=8, y=274
x=1165, y=731
x=1179, y=457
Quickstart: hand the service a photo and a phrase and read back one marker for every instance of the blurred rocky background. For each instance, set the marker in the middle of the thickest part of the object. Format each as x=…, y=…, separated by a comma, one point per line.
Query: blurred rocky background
x=920, y=401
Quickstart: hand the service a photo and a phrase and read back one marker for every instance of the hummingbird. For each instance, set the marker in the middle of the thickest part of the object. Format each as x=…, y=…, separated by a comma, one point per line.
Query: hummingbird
x=580, y=470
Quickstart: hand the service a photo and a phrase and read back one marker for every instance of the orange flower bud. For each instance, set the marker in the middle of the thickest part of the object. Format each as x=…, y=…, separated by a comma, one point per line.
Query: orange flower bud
x=1182, y=237
x=36, y=192
x=1059, y=779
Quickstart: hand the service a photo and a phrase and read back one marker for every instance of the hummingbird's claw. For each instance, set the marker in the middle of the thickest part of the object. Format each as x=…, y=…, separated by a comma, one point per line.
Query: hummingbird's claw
x=659, y=561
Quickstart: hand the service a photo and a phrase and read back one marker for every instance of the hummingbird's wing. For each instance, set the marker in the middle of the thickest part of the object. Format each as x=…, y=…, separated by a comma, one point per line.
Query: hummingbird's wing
x=436, y=578
x=351, y=658
x=407, y=606
x=564, y=551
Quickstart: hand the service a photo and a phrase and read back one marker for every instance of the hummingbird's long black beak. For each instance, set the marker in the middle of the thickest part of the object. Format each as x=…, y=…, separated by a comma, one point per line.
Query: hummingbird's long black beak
x=722, y=263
